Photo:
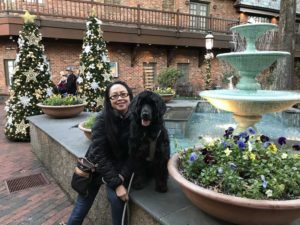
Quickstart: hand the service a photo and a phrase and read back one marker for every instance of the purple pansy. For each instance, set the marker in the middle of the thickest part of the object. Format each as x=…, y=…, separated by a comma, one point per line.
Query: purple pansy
x=224, y=144
x=193, y=156
x=251, y=130
x=243, y=134
x=281, y=140
x=264, y=138
x=241, y=145
x=296, y=147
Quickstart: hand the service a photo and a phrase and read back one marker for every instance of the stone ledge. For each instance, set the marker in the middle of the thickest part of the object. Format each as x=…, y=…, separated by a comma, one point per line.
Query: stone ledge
x=58, y=142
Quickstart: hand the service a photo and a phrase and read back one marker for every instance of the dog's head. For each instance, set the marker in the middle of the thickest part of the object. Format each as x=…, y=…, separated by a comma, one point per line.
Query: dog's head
x=147, y=108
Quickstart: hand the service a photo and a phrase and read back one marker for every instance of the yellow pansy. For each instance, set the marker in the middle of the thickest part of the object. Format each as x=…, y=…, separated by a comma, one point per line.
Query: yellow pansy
x=252, y=156
x=272, y=148
x=227, y=151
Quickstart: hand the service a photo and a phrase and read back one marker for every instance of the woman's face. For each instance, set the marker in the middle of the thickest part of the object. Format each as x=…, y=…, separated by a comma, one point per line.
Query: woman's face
x=119, y=98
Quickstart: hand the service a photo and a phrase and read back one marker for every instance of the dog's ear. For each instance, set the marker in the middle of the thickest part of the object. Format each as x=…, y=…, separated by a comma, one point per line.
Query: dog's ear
x=134, y=105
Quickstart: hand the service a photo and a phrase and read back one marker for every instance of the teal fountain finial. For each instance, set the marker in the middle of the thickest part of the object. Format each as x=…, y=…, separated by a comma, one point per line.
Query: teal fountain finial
x=248, y=103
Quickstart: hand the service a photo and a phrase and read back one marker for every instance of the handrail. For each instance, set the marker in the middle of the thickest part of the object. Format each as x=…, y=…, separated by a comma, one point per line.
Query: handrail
x=119, y=14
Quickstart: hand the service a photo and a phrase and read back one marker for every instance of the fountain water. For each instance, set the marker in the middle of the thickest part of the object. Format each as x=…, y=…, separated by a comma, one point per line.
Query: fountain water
x=247, y=102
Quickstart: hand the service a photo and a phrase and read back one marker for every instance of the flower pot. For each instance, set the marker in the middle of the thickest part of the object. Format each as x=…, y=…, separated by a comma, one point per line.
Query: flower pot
x=235, y=209
x=87, y=132
x=64, y=111
x=166, y=97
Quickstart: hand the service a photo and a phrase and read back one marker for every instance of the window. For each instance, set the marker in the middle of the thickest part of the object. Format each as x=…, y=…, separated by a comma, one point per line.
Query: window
x=8, y=68
x=149, y=75
x=199, y=11
x=184, y=70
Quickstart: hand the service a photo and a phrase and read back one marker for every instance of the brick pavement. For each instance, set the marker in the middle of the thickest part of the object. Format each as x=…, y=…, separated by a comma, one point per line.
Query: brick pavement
x=43, y=205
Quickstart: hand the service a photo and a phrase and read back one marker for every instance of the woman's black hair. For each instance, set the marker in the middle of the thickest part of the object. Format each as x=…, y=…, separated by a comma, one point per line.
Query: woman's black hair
x=110, y=115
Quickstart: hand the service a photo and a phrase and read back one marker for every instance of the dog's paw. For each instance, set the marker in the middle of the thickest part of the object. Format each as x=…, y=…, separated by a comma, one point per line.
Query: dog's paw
x=161, y=188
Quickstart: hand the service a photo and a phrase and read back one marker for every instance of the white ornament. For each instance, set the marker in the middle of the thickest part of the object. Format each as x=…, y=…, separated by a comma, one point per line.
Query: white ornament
x=92, y=66
x=94, y=85
x=98, y=21
x=25, y=101
x=9, y=120
x=49, y=92
x=87, y=49
x=79, y=80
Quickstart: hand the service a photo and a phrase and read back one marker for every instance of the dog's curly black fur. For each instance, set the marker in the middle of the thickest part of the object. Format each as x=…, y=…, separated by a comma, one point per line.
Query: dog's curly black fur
x=147, y=125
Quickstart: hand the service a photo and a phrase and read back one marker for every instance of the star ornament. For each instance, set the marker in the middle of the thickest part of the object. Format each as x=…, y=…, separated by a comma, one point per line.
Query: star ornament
x=106, y=76
x=21, y=127
x=30, y=75
x=28, y=18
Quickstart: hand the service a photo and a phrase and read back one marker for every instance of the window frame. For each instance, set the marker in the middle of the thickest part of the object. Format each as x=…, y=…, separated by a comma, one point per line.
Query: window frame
x=8, y=71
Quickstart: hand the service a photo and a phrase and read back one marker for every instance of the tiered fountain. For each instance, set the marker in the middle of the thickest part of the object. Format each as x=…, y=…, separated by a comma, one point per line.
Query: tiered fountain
x=248, y=102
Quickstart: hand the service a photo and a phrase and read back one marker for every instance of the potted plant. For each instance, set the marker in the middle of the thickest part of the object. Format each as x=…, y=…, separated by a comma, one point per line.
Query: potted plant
x=86, y=126
x=165, y=93
x=242, y=178
x=58, y=106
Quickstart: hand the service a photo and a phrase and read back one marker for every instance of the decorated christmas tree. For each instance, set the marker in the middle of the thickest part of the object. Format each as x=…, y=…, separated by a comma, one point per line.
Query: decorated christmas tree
x=94, y=73
x=31, y=82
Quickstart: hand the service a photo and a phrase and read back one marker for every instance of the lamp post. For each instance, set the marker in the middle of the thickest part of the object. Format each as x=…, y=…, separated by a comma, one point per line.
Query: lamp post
x=209, y=43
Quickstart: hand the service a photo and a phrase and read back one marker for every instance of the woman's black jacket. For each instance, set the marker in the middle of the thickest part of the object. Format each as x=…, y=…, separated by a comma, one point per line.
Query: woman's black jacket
x=100, y=152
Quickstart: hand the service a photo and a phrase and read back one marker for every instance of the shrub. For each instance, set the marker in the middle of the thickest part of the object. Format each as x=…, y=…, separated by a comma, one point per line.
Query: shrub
x=168, y=77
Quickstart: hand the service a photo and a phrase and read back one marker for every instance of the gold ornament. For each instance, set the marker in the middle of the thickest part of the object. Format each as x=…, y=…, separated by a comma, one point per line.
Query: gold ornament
x=28, y=18
x=99, y=101
x=38, y=94
x=30, y=75
x=33, y=40
x=21, y=127
x=106, y=77
x=81, y=69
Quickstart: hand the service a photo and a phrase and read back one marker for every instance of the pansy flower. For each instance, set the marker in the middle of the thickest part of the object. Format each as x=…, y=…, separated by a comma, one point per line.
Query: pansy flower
x=193, y=156
x=251, y=130
x=296, y=147
x=264, y=138
x=282, y=140
x=241, y=145
x=227, y=151
x=272, y=148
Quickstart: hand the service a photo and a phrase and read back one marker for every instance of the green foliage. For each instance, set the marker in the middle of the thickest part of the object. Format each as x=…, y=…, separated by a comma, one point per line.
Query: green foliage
x=165, y=91
x=31, y=84
x=168, y=77
x=90, y=121
x=94, y=69
x=244, y=165
x=58, y=100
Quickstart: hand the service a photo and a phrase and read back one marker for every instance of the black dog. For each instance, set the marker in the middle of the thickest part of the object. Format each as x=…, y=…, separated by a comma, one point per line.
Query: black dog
x=149, y=141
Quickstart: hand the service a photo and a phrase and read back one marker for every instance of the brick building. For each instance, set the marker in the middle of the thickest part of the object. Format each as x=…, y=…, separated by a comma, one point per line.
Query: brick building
x=143, y=37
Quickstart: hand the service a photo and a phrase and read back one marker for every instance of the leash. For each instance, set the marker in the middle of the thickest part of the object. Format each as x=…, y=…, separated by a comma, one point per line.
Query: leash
x=126, y=205
x=152, y=147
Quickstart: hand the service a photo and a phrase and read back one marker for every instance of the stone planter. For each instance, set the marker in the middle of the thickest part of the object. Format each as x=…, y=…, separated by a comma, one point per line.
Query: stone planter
x=235, y=209
x=166, y=97
x=64, y=111
x=87, y=132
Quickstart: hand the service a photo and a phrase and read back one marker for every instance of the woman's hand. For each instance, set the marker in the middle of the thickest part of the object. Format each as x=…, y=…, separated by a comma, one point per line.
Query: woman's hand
x=121, y=192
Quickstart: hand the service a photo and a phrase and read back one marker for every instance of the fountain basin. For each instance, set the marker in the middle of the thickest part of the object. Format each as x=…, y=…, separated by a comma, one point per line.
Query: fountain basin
x=250, y=64
x=249, y=106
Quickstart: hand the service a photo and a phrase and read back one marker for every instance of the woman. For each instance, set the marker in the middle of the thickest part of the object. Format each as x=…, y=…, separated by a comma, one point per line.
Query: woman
x=109, y=151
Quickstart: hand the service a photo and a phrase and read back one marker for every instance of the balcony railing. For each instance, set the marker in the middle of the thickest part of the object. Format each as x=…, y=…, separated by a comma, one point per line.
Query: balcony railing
x=117, y=14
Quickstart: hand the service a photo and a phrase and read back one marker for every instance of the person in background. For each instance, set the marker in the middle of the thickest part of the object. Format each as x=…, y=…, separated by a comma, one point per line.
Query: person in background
x=62, y=84
x=109, y=150
x=71, y=81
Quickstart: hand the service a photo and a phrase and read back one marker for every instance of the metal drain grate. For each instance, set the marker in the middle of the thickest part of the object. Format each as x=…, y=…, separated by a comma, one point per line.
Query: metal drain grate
x=21, y=183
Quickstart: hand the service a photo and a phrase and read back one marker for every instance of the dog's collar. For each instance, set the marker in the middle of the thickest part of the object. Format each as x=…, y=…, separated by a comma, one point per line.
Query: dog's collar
x=152, y=147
